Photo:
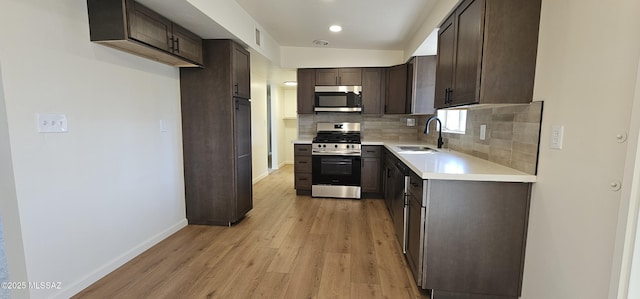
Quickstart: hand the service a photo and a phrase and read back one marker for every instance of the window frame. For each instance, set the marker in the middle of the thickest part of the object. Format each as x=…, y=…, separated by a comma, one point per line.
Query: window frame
x=453, y=121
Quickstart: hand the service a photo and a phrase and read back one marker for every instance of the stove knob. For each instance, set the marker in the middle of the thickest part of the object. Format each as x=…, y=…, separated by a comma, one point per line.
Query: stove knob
x=336, y=146
x=324, y=145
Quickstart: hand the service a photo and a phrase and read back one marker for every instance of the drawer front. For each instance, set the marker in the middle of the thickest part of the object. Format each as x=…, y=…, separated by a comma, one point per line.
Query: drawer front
x=302, y=164
x=302, y=150
x=371, y=151
x=303, y=181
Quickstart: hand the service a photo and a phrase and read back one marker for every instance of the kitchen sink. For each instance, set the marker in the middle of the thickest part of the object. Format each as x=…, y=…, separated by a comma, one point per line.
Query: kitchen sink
x=416, y=149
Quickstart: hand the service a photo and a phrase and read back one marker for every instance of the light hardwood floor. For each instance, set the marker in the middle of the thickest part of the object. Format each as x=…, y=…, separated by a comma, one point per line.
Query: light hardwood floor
x=288, y=246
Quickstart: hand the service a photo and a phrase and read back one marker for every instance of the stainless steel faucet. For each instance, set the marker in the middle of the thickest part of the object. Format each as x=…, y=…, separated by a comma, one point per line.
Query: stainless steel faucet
x=426, y=129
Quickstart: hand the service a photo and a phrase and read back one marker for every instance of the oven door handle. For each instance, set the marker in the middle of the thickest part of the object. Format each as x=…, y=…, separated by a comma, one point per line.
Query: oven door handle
x=349, y=153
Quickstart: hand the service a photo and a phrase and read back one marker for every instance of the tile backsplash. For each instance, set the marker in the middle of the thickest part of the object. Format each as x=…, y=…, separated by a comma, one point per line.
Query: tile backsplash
x=386, y=127
x=512, y=132
x=512, y=135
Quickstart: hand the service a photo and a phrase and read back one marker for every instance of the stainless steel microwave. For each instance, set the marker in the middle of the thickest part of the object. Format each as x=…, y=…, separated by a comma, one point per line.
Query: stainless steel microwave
x=338, y=99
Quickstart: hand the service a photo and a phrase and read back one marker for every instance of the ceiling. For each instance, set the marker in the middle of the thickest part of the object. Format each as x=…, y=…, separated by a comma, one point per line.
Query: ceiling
x=367, y=24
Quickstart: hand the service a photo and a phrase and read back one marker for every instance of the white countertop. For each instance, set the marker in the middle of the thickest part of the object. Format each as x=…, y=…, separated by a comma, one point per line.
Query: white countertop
x=449, y=165
x=452, y=165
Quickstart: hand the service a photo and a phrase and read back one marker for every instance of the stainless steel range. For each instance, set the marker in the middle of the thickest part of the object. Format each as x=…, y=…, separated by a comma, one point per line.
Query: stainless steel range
x=336, y=161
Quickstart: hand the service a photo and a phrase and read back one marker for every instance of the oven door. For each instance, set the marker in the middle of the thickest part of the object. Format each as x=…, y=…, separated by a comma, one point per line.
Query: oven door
x=335, y=176
x=336, y=170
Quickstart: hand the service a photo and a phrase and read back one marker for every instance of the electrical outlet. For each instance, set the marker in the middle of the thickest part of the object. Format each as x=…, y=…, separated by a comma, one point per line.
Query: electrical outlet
x=411, y=122
x=557, y=136
x=52, y=123
x=483, y=132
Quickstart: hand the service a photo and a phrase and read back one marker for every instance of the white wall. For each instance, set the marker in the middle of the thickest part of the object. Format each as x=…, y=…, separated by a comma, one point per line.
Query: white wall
x=634, y=280
x=9, y=214
x=259, y=143
x=230, y=15
x=586, y=72
x=290, y=124
x=438, y=12
x=277, y=134
x=90, y=199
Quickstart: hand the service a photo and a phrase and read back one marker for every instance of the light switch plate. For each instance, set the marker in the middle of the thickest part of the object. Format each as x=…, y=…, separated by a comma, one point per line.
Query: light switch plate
x=52, y=123
x=557, y=136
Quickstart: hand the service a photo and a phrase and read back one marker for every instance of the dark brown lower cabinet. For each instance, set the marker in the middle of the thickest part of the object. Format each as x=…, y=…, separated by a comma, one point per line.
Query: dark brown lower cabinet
x=371, y=178
x=473, y=239
x=302, y=168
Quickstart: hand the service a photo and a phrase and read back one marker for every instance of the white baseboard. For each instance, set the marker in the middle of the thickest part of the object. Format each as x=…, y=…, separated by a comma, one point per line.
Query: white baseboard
x=107, y=268
x=260, y=177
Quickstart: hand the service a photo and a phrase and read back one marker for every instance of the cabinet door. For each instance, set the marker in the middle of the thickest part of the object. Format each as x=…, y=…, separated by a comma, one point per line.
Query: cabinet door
x=415, y=231
x=339, y=76
x=306, y=90
x=389, y=187
x=149, y=27
x=373, y=91
x=326, y=77
x=241, y=72
x=422, y=84
x=470, y=31
x=397, y=204
x=242, y=123
x=396, y=99
x=446, y=54
x=186, y=44
x=350, y=76
x=371, y=175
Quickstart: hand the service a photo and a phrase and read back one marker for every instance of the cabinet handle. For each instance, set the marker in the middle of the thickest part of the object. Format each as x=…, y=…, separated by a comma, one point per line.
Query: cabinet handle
x=236, y=88
x=177, y=45
x=301, y=162
x=446, y=95
x=448, y=98
x=303, y=179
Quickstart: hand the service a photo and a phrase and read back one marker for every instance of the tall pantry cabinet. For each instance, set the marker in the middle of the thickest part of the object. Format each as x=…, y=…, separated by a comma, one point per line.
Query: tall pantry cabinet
x=216, y=133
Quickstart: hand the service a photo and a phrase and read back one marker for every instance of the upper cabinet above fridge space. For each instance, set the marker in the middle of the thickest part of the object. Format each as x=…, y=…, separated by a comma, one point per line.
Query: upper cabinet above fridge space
x=131, y=27
x=487, y=53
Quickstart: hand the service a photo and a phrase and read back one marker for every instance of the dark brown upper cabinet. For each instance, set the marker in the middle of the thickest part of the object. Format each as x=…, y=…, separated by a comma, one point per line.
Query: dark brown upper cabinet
x=339, y=76
x=421, y=79
x=306, y=92
x=373, y=91
x=131, y=27
x=487, y=53
x=241, y=72
x=396, y=95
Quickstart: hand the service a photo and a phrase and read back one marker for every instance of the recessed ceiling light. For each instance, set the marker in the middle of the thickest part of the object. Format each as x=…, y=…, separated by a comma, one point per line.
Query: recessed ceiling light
x=335, y=28
x=290, y=83
x=320, y=42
